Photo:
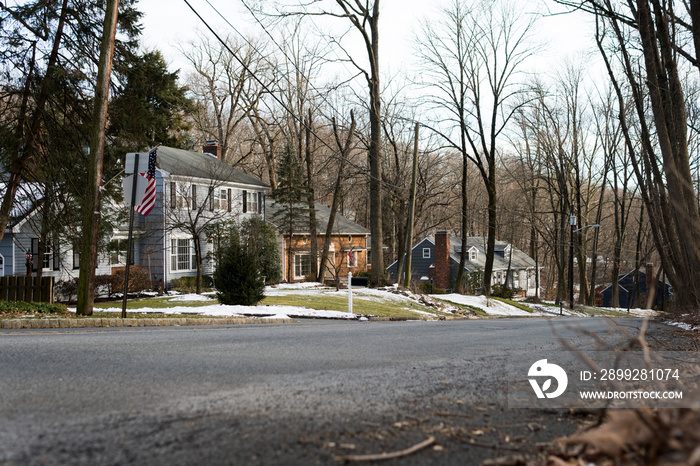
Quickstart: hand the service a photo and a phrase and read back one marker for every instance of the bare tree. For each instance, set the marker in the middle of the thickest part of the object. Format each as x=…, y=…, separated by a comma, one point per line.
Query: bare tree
x=472, y=58
x=363, y=18
x=226, y=93
x=662, y=36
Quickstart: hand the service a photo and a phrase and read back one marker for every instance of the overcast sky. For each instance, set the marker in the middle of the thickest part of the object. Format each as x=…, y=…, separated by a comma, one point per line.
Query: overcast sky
x=169, y=24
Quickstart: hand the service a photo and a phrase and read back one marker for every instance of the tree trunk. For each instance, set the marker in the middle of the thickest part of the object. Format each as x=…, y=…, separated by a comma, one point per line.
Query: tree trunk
x=313, y=224
x=375, y=155
x=91, y=209
x=493, y=217
x=344, y=152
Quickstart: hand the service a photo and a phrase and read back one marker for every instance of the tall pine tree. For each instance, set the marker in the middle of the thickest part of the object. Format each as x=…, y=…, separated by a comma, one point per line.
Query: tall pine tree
x=291, y=214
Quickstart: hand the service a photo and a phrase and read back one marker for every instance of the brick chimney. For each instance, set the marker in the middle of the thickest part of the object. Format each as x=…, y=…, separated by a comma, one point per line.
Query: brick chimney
x=442, y=260
x=211, y=147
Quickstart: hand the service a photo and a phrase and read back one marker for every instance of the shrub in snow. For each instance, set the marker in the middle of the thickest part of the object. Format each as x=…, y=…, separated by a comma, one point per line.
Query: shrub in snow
x=238, y=278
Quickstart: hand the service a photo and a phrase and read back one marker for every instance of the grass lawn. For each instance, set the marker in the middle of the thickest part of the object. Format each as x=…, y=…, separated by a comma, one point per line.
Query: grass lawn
x=157, y=303
x=375, y=307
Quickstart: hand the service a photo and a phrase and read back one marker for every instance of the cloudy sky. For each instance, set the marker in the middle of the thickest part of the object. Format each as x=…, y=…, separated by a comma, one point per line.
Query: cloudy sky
x=170, y=24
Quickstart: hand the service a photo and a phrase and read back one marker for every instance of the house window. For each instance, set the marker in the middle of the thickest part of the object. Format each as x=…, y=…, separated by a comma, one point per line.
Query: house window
x=516, y=279
x=49, y=261
x=182, y=255
x=252, y=202
x=426, y=253
x=352, y=259
x=223, y=199
x=302, y=266
x=117, y=252
x=219, y=199
x=180, y=195
x=473, y=255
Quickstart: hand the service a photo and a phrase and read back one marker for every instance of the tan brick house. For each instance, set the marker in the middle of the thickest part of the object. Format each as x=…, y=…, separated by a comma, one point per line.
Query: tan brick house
x=347, y=253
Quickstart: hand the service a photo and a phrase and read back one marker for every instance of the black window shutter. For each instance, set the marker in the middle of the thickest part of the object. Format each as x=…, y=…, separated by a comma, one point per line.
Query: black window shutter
x=194, y=197
x=260, y=202
x=211, y=198
x=56, y=257
x=173, y=195
x=229, y=200
x=245, y=201
x=76, y=256
x=34, y=252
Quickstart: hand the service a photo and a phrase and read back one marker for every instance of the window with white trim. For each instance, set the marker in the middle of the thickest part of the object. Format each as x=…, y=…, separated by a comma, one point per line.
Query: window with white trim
x=252, y=202
x=426, y=253
x=473, y=255
x=223, y=199
x=118, y=252
x=50, y=261
x=182, y=255
x=302, y=266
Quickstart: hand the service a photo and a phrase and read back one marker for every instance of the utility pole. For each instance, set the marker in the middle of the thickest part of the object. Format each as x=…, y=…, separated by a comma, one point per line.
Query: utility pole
x=411, y=209
x=572, y=223
x=91, y=209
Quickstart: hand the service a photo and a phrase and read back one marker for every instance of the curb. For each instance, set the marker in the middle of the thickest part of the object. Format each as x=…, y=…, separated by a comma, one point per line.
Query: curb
x=132, y=322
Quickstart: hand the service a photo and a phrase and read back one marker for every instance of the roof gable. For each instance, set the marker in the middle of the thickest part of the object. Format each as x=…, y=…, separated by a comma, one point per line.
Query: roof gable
x=341, y=226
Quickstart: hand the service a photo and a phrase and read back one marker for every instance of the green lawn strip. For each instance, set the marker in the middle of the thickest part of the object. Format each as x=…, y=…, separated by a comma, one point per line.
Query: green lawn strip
x=510, y=302
x=156, y=303
x=381, y=308
x=368, y=306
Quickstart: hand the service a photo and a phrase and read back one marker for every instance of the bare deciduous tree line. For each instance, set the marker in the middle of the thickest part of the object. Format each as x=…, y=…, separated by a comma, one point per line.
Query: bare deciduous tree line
x=503, y=154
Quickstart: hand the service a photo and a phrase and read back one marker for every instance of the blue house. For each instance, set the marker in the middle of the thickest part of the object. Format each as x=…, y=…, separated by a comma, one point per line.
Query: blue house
x=436, y=259
x=628, y=295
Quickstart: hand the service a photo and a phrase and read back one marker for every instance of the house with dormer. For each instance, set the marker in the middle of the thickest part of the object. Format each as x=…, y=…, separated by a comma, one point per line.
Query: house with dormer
x=436, y=258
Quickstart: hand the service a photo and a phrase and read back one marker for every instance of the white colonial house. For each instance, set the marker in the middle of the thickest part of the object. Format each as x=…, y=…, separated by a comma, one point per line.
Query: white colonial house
x=192, y=190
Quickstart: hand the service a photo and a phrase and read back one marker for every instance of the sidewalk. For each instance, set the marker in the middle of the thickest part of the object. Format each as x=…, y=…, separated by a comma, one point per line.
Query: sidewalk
x=132, y=322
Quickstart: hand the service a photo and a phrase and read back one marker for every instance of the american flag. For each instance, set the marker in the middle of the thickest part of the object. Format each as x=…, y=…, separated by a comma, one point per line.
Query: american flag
x=149, y=198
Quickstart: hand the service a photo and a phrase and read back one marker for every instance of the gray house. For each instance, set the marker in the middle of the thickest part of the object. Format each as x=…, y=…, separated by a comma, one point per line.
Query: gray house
x=193, y=190
x=436, y=259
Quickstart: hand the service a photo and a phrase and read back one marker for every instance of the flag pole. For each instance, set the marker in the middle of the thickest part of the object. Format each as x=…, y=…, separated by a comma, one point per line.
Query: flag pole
x=129, y=242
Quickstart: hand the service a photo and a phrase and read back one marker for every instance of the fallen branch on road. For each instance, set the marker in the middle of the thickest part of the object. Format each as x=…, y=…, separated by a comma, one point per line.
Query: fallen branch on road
x=388, y=456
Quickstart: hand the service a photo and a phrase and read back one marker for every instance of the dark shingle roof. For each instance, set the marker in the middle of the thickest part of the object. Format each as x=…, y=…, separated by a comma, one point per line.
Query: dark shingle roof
x=341, y=226
x=189, y=163
x=520, y=260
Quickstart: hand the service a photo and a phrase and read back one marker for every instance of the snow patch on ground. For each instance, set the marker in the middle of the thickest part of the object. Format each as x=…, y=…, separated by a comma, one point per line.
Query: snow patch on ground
x=192, y=297
x=490, y=306
x=221, y=310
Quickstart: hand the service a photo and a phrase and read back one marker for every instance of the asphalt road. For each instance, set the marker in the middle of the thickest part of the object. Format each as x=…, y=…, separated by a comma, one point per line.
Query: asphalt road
x=302, y=393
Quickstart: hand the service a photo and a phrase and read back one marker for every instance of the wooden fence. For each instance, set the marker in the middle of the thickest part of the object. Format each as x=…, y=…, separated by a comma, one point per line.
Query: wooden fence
x=28, y=289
